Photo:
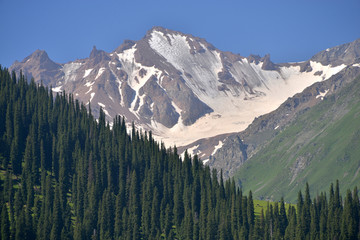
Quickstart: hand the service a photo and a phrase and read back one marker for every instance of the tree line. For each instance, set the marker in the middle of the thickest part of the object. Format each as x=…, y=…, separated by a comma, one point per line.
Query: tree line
x=66, y=175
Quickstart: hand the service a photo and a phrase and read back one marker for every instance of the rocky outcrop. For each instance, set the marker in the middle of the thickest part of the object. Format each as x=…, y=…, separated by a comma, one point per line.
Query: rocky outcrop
x=127, y=44
x=267, y=64
x=344, y=54
x=98, y=56
x=185, y=99
x=158, y=103
x=39, y=66
x=234, y=148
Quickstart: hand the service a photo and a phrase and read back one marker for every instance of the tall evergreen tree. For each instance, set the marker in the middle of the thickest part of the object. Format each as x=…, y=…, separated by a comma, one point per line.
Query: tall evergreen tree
x=5, y=223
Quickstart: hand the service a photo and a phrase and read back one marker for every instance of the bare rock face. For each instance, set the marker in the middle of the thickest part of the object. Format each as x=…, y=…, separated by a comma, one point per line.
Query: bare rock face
x=98, y=56
x=39, y=66
x=128, y=94
x=344, y=54
x=158, y=103
x=185, y=99
x=234, y=149
x=305, y=67
x=127, y=44
x=267, y=64
x=254, y=58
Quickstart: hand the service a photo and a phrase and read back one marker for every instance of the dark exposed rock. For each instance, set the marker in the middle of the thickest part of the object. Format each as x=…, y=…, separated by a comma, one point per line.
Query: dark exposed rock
x=127, y=44
x=185, y=99
x=145, y=112
x=267, y=64
x=223, y=87
x=226, y=77
x=205, y=146
x=229, y=57
x=343, y=54
x=195, y=46
x=137, y=103
x=123, y=75
x=254, y=58
x=318, y=73
x=163, y=111
x=142, y=73
x=97, y=56
x=234, y=149
x=305, y=67
x=40, y=67
x=128, y=94
x=188, y=75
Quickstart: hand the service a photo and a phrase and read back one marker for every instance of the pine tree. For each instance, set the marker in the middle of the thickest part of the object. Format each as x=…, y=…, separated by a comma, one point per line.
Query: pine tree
x=57, y=223
x=348, y=224
x=290, y=232
x=5, y=223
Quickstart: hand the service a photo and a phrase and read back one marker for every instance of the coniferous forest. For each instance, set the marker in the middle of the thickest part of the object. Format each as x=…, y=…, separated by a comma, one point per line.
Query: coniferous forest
x=66, y=175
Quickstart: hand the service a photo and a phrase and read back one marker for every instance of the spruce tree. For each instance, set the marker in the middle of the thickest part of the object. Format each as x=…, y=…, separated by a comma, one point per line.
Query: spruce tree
x=5, y=223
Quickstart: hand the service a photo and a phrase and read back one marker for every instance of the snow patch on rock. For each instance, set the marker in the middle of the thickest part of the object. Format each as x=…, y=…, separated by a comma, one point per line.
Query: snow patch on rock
x=101, y=104
x=89, y=84
x=57, y=89
x=322, y=94
x=217, y=147
x=101, y=70
x=92, y=96
x=191, y=151
x=87, y=72
x=70, y=70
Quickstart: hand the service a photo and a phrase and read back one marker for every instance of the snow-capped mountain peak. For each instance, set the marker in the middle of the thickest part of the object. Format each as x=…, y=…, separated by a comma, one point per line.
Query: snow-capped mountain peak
x=179, y=86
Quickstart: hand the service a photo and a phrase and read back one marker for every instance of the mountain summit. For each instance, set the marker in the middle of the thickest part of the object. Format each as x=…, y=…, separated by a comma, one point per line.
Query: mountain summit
x=179, y=86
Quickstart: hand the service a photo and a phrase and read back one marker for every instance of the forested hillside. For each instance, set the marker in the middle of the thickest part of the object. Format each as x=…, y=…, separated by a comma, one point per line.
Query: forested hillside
x=66, y=175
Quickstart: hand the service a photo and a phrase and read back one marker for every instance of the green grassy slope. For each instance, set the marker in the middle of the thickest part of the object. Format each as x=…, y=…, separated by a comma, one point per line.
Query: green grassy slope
x=322, y=145
x=263, y=205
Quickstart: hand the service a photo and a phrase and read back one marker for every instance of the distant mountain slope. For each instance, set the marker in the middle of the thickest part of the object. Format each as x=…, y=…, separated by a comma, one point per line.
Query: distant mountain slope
x=178, y=86
x=229, y=152
x=320, y=145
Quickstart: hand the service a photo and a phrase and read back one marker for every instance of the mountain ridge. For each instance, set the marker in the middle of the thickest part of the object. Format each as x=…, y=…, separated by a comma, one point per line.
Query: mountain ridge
x=180, y=95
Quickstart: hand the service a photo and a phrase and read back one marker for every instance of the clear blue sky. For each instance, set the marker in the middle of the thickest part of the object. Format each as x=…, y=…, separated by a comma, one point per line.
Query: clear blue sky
x=287, y=29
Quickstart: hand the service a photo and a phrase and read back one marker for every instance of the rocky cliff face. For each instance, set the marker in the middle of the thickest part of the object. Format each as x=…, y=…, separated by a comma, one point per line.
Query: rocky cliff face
x=178, y=86
x=347, y=54
x=39, y=66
